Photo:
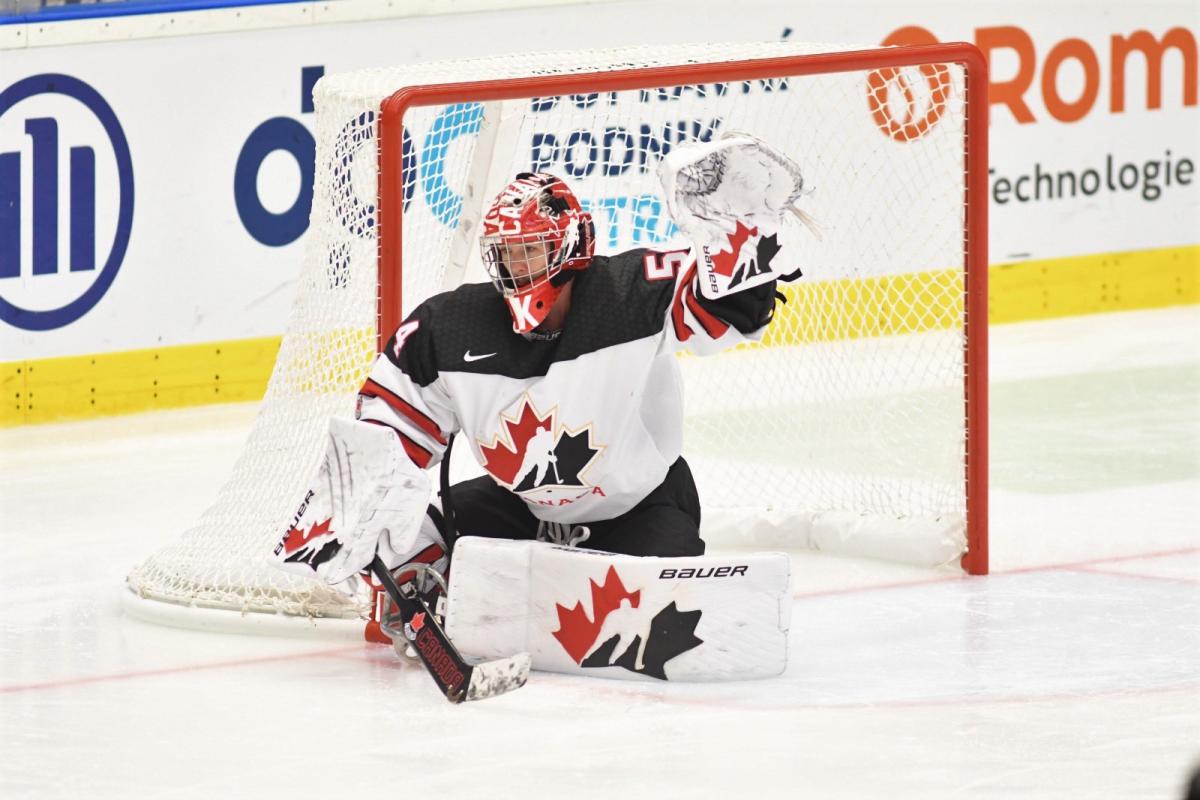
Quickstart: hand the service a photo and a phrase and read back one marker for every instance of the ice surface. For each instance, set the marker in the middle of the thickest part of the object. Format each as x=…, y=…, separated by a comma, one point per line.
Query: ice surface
x=1072, y=671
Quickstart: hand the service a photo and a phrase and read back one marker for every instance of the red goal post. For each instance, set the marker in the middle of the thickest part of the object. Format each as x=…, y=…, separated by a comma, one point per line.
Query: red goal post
x=879, y=61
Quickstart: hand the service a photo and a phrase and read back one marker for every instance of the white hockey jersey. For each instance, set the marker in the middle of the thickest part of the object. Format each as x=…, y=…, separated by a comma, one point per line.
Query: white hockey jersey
x=581, y=427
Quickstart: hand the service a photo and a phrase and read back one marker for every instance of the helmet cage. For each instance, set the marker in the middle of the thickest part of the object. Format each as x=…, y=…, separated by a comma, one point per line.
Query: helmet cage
x=518, y=264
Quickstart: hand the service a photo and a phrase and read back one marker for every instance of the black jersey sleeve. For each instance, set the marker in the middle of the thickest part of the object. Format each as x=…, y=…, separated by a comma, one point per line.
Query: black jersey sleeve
x=402, y=391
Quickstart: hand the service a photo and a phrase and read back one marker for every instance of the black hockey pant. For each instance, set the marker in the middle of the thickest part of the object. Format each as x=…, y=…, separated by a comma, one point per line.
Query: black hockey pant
x=665, y=523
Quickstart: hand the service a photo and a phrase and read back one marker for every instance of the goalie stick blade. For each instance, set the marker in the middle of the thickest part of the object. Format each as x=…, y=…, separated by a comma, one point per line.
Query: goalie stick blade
x=492, y=678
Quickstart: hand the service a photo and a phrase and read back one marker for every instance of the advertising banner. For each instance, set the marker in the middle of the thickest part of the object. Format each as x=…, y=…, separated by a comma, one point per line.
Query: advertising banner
x=154, y=192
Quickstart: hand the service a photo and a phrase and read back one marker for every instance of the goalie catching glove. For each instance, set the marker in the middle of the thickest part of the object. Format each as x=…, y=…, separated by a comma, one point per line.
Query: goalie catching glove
x=730, y=198
x=366, y=498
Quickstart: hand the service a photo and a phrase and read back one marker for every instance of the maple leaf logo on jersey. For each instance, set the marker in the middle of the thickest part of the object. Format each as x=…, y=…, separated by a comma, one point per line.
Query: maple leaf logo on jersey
x=620, y=632
x=538, y=458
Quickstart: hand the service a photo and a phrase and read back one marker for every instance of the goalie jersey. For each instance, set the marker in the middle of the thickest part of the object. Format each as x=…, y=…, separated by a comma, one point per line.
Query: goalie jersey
x=582, y=426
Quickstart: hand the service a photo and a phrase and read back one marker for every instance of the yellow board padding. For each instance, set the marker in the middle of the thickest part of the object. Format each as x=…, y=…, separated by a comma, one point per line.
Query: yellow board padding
x=1066, y=287
x=81, y=387
x=318, y=360
x=857, y=308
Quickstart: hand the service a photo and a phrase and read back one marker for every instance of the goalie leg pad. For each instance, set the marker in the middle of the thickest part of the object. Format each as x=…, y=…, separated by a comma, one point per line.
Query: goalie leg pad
x=704, y=618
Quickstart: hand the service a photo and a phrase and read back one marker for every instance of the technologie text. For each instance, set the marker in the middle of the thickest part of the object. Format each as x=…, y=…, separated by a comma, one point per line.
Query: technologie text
x=1148, y=179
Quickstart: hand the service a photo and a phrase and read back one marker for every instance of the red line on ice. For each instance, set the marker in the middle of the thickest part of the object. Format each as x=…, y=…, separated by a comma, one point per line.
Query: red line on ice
x=150, y=673
x=1139, y=575
x=1067, y=565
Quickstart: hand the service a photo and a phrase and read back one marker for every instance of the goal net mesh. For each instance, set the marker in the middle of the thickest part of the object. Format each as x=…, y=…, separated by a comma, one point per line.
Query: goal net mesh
x=844, y=430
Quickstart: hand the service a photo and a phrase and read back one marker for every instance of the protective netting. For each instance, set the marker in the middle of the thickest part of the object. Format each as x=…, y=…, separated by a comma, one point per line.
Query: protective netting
x=843, y=430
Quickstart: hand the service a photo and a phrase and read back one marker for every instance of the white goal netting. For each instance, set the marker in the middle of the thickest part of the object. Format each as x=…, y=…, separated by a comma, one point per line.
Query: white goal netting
x=843, y=431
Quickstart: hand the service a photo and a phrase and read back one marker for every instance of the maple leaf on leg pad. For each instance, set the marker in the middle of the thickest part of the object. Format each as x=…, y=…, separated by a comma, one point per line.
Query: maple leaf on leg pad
x=672, y=633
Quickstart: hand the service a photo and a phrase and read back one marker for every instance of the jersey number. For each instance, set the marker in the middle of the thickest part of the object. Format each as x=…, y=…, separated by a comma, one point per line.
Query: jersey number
x=663, y=266
x=402, y=333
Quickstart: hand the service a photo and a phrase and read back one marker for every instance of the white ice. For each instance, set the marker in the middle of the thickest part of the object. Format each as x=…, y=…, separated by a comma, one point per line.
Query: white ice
x=1072, y=671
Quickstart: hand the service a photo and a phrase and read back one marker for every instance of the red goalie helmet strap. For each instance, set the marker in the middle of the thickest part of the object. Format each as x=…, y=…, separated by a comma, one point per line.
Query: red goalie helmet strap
x=535, y=237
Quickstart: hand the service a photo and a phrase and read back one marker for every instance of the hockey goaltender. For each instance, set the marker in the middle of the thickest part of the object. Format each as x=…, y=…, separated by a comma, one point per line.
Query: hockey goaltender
x=567, y=390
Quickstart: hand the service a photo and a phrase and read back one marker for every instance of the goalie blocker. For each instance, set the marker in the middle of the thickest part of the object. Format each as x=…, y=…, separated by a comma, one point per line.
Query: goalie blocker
x=584, y=612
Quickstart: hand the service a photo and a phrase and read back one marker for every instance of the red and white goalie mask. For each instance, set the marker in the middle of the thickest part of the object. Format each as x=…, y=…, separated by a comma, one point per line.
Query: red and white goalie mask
x=535, y=237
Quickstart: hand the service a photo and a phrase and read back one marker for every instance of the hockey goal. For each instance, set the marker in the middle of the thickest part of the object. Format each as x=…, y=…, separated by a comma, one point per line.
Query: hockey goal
x=857, y=426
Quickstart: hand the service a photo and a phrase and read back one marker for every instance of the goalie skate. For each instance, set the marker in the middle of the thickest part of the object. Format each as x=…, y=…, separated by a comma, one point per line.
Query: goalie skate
x=416, y=580
x=458, y=678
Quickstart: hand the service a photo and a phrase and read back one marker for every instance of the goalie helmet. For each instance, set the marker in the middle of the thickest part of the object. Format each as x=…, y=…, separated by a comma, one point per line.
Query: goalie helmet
x=535, y=238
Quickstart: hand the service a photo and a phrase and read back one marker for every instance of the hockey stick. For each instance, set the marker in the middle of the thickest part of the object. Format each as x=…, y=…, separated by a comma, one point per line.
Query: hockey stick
x=457, y=679
x=449, y=522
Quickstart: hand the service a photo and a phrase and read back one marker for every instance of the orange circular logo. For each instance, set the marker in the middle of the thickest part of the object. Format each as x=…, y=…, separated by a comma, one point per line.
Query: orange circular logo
x=906, y=102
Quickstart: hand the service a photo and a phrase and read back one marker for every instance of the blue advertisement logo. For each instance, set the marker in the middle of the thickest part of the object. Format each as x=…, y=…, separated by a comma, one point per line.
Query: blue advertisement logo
x=642, y=215
x=43, y=246
x=582, y=154
x=289, y=136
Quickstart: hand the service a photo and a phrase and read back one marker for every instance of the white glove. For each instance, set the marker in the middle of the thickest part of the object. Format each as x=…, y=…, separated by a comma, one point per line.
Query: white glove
x=727, y=196
x=367, y=497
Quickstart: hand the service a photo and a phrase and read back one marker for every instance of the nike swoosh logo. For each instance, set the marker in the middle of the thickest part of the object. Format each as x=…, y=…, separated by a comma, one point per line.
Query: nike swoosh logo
x=468, y=357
